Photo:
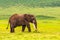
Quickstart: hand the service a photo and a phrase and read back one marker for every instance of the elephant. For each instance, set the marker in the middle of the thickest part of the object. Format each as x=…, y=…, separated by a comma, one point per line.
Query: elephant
x=23, y=20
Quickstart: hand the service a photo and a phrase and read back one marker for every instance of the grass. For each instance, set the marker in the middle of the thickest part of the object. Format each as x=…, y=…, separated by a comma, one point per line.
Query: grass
x=30, y=3
x=48, y=23
x=39, y=12
x=47, y=30
x=46, y=12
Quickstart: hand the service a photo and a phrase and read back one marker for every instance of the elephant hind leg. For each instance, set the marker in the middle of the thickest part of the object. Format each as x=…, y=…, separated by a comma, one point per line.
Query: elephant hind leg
x=23, y=28
x=11, y=30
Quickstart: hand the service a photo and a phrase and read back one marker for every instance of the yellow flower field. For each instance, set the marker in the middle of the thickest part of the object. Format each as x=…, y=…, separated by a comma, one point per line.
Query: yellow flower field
x=47, y=30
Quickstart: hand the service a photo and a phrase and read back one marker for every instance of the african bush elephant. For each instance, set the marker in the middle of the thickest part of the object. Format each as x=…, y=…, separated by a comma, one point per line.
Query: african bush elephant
x=22, y=20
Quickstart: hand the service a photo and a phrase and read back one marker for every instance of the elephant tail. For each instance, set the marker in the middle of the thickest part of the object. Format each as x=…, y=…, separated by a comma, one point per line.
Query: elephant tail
x=7, y=25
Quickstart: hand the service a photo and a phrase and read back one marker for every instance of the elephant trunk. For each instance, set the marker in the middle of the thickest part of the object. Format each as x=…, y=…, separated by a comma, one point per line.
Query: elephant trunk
x=35, y=25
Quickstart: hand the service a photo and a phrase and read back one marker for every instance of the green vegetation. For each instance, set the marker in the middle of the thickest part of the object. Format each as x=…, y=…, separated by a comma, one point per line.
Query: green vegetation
x=30, y=3
x=47, y=13
x=51, y=13
x=45, y=8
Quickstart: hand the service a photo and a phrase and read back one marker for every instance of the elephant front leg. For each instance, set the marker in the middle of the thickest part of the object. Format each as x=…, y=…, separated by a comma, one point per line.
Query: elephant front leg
x=23, y=28
x=28, y=26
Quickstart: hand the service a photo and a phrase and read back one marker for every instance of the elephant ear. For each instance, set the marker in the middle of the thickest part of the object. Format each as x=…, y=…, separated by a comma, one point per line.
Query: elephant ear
x=26, y=17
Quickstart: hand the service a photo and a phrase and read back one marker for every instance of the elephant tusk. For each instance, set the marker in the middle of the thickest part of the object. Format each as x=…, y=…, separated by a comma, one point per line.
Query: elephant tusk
x=34, y=27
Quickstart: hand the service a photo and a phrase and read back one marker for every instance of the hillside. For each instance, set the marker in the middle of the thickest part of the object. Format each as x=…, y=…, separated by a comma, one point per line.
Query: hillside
x=46, y=8
x=30, y=3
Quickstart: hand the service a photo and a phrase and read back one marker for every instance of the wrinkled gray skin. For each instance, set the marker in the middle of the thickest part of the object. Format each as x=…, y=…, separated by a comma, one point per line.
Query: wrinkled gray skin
x=22, y=20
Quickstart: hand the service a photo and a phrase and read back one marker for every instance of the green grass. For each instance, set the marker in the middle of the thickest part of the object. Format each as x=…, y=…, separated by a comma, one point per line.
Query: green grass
x=30, y=3
x=47, y=30
x=46, y=12
x=41, y=13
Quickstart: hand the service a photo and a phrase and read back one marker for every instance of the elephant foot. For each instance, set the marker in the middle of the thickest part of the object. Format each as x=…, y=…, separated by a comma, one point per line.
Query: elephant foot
x=22, y=31
x=11, y=32
x=29, y=30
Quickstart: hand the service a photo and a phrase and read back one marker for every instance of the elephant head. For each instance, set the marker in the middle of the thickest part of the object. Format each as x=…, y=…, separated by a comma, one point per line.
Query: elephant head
x=32, y=19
